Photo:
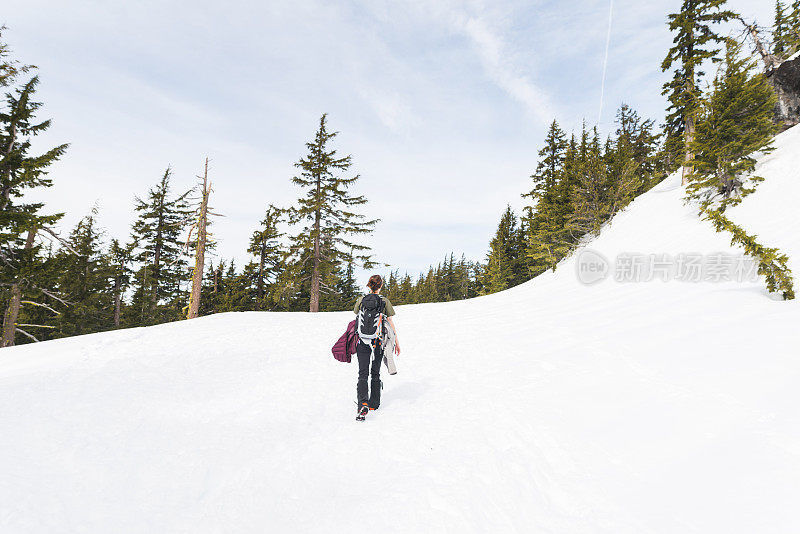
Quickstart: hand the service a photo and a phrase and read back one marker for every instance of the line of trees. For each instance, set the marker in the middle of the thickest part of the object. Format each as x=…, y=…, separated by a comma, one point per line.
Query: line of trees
x=302, y=258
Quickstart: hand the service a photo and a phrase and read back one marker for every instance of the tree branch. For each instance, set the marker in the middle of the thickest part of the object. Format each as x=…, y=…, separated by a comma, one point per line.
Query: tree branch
x=52, y=296
x=63, y=242
x=24, y=333
x=40, y=305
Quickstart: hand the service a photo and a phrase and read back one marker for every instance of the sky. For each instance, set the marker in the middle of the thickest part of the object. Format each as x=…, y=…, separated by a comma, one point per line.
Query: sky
x=443, y=105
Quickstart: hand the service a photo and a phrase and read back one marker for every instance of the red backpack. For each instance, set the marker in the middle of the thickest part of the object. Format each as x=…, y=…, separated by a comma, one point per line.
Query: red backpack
x=346, y=346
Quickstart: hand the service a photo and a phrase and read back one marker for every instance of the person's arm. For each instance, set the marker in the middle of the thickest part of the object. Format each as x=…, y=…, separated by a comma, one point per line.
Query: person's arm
x=396, y=339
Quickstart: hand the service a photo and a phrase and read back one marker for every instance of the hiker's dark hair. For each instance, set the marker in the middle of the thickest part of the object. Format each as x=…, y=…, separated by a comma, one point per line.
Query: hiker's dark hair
x=375, y=282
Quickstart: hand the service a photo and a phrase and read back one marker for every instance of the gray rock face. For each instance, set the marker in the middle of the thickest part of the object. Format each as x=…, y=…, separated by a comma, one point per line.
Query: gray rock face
x=786, y=82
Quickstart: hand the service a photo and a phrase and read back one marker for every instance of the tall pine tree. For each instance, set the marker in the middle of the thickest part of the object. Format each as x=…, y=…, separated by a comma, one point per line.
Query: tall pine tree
x=694, y=43
x=327, y=212
x=503, y=254
x=83, y=279
x=20, y=219
x=159, y=255
x=266, y=247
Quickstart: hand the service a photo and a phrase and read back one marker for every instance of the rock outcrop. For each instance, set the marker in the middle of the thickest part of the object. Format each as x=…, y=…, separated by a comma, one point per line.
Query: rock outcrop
x=785, y=79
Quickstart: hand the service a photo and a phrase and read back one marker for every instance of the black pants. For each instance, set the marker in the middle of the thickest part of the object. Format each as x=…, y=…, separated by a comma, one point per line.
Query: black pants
x=364, y=352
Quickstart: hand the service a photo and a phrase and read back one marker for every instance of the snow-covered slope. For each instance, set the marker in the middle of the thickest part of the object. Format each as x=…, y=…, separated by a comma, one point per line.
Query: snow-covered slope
x=558, y=407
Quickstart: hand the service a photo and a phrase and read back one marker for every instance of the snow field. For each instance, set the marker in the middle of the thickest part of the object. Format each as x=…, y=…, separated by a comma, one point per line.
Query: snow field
x=650, y=407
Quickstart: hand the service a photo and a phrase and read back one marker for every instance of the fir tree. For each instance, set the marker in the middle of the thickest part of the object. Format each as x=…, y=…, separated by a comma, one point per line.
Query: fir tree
x=735, y=122
x=601, y=190
x=346, y=284
x=19, y=170
x=326, y=210
x=792, y=38
x=502, y=254
x=83, y=280
x=633, y=150
x=233, y=292
x=535, y=227
x=550, y=164
x=674, y=149
x=265, y=245
x=9, y=68
x=693, y=44
x=779, y=33
x=159, y=253
x=406, y=295
x=119, y=262
x=21, y=220
x=549, y=238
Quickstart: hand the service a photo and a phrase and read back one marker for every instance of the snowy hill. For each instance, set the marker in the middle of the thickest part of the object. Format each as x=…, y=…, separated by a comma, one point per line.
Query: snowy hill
x=618, y=407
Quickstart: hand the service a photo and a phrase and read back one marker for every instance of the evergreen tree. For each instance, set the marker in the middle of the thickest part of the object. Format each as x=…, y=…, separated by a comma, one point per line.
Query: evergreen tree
x=19, y=170
x=502, y=255
x=83, y=280
x=347, y=286
x=406, y=295
x=693, y=44
x=779, y=31
x=233, y=293
x=549, y=239
x=159, y=253
x=21, y=220
x=119, y=262
x=550, y=164
x=536, y=229
x=604, y=186
x=265, y=245
x=634, y=148
x=9, y=68
x=674, y=149
x=792, y=35
x=735, y=122
x=326, y=209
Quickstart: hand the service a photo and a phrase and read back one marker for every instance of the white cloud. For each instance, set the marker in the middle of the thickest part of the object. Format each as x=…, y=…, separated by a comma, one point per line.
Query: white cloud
x=494, y=56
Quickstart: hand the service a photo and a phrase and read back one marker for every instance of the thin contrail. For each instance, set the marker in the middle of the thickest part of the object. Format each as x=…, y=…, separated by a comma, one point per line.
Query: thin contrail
x=605, y=61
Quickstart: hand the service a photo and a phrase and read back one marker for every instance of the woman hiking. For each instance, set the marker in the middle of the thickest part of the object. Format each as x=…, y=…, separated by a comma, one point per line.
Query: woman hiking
x=372, y=309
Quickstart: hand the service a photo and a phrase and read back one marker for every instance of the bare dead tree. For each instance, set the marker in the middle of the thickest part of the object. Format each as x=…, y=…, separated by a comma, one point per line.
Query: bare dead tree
x=201, y=226
x=762, y=47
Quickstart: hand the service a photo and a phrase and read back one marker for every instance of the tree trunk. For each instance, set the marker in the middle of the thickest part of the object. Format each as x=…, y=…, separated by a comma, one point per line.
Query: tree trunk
x=12, y=310
x=260, y=282
x=199, y=258
x=689, y=138
x=117, y=300
x=688, y=133
x=770, y=62
x=154, y=279
x=315, y=276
